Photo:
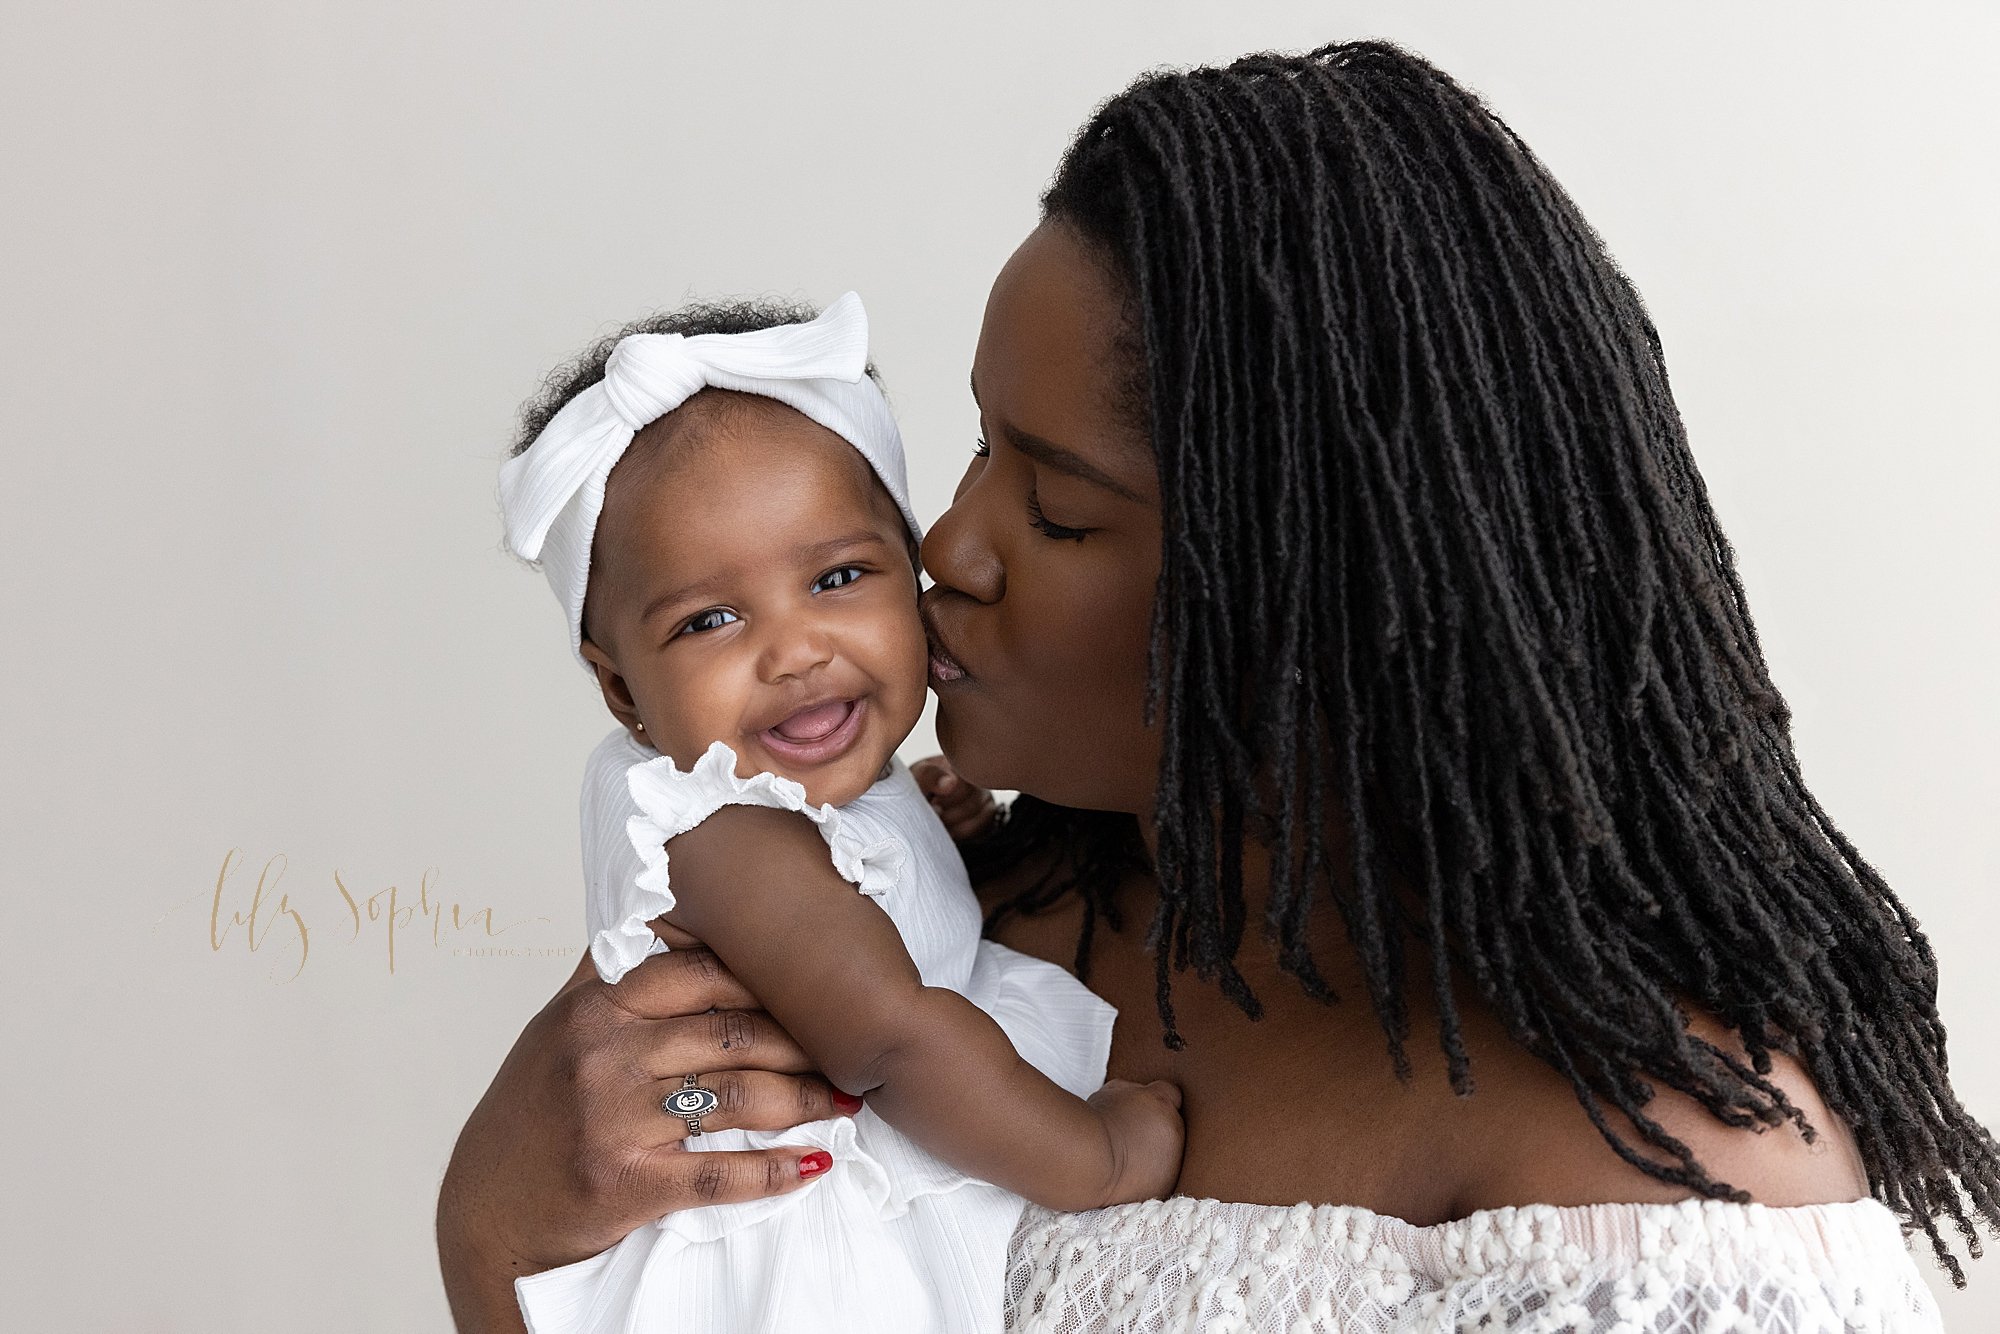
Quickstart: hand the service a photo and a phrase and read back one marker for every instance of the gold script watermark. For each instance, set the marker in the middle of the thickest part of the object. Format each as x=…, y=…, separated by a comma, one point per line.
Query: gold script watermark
x=270, y=918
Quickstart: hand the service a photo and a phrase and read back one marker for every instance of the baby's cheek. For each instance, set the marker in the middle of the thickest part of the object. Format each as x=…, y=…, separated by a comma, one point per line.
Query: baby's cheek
x=699, y=708
x=904, y=670
x=917, y=650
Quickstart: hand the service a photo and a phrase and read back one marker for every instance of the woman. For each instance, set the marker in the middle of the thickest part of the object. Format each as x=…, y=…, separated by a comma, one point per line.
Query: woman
x=1334, y=575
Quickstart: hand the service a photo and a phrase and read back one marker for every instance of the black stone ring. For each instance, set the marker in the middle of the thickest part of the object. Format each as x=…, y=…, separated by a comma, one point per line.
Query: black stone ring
x=690, y=1102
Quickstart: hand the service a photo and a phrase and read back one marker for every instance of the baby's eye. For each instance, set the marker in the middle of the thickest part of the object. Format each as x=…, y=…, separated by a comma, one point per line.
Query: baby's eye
x=712, y=619
x=839, y=578
x=980, y=449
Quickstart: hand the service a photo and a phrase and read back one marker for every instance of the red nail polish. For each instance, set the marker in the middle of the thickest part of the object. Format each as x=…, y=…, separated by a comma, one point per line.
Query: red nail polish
x=846, y=1103
x=814, y=1163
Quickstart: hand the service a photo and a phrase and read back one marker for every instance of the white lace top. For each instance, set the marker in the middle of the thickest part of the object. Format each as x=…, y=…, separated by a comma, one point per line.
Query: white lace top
x=1699, y=1267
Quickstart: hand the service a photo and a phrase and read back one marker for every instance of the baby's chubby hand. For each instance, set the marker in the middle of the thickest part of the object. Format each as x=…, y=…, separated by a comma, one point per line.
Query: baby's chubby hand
x=1146, y=1132
x=966, y=808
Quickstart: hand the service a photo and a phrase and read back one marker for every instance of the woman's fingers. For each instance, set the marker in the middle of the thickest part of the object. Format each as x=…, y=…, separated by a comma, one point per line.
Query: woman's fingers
x=670, y=1178
x=749, y=1100
x=934, y=776
x=569, y=1148
x=679, y=982
x=965, y=808
x=971, y=818
x=968, y=813
x=722, y=1040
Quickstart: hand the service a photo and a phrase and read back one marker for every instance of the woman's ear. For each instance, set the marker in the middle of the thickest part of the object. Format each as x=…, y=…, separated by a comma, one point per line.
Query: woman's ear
x=617, y=695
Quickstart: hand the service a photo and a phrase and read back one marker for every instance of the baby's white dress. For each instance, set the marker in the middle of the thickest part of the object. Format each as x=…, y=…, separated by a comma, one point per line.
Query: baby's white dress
x=891, y=1239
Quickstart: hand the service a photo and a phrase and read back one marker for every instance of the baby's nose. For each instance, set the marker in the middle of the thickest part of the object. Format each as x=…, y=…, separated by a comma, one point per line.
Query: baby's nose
x=796, y=653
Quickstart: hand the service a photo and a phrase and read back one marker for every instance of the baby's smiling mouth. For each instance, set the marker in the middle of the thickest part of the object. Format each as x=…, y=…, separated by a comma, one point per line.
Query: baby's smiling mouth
x=815, y=723
x=816, y=734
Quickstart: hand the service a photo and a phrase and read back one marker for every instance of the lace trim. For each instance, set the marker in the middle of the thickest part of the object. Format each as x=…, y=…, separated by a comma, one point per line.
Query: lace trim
x=1696, y=1267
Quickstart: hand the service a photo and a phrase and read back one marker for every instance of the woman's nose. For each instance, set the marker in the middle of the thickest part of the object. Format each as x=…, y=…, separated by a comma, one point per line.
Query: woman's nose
x=958, y=553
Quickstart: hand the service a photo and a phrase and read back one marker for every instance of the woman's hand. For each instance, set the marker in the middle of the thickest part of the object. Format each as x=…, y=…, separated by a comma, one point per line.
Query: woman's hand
x=569, y=1150
x=966, y=808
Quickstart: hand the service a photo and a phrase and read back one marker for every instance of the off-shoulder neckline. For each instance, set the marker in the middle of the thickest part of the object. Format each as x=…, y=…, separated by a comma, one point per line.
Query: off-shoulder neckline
x=1721, y=1232
x=1867, y=1207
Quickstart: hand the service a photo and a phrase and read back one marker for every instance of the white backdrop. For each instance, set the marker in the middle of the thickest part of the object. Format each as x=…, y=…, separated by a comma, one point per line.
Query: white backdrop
x=276, y=277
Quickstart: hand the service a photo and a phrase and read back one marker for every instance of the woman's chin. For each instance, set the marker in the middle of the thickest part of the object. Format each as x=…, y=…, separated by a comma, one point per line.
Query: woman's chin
x=1062, y=765
x=971, y=757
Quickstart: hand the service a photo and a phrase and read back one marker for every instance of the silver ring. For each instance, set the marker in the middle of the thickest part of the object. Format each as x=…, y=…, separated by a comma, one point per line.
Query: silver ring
x=690, y=1102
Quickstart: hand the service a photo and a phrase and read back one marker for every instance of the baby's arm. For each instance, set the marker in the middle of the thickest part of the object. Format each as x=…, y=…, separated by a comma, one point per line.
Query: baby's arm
x=756, y=886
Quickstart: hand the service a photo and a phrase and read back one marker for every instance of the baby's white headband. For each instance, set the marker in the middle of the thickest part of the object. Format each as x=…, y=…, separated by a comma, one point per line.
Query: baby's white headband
x=552, y=492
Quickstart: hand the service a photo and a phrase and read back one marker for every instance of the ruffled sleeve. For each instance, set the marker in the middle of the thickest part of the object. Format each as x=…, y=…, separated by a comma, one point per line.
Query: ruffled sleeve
x=670, y=802
x=609, y=865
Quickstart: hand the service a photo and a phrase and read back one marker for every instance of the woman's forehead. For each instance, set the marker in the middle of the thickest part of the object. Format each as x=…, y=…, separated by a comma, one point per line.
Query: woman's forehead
x=1049, y=357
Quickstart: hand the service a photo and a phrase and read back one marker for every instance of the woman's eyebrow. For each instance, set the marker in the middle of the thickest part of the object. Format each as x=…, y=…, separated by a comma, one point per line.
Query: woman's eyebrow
x=1052, y=455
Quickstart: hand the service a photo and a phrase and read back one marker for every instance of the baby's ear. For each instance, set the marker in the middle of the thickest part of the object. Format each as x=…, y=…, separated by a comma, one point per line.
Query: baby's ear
x=617, y=695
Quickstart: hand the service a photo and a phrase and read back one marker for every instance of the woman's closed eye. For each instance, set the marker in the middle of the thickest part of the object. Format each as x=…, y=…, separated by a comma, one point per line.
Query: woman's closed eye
x=837, y=578
x=712, y=619
x=1036, y=519
x=1048, y=526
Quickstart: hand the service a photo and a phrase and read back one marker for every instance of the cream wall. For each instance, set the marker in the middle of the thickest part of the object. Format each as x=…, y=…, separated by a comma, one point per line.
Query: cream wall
x=275, y=278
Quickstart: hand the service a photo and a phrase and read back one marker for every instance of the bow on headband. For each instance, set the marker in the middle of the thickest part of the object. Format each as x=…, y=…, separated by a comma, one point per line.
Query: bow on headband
x=552, y=493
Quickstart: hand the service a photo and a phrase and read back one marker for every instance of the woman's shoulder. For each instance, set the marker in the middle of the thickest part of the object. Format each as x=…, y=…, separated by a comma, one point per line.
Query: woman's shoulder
x=1538, y=1146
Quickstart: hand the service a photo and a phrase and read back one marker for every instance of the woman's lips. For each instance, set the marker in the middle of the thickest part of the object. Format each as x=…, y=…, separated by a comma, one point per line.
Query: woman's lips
x=944, y=667
x=943, y=670
x=817, y=734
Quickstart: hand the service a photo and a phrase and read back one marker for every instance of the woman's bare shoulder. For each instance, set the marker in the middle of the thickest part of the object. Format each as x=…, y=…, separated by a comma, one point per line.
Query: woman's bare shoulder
x=1539, y=1147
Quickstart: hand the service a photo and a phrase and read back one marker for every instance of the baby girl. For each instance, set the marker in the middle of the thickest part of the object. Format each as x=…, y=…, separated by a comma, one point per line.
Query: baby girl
x=721, y=509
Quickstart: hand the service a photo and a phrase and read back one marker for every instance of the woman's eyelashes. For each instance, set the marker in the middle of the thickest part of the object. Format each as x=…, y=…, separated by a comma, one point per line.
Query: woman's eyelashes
x=1042, y=522
x=1036, y=519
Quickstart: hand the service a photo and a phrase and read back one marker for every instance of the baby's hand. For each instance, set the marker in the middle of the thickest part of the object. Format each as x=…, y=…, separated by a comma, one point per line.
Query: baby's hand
x=966, y=808
x=1144, y=1122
